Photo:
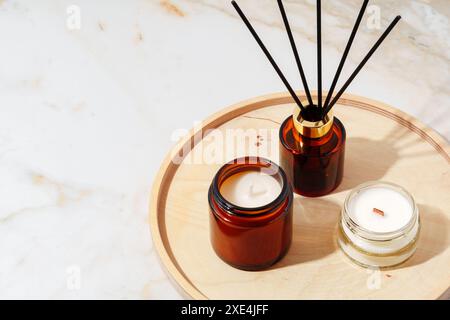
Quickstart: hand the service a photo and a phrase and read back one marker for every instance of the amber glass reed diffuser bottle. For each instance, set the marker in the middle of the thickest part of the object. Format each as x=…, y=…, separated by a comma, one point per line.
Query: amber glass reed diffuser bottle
x=312, y=153
x=312, y=141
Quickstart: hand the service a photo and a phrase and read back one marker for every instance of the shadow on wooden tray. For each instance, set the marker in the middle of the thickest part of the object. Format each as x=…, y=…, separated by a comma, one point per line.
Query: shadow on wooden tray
x=370, y=159
x=434, y=236
x=315, y=224
x=315, y=221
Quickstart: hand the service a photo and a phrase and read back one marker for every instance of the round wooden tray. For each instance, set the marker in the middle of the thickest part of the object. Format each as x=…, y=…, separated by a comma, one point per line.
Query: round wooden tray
x=382, y=144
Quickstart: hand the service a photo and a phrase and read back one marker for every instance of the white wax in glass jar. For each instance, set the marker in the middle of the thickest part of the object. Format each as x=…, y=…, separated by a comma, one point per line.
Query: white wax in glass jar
x=379, y=225
x=396, y=209
x=250, y=189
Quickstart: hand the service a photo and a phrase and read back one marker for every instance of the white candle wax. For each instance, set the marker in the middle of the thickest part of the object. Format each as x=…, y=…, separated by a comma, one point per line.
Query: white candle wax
x=250, y=189
x=395, y=209
x=390, y=223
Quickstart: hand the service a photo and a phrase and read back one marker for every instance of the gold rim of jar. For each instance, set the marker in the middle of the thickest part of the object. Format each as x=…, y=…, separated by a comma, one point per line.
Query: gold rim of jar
x=312, y=129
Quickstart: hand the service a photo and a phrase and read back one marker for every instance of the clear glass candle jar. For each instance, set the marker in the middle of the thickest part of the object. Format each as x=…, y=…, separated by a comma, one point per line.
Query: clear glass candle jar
x=369, y=245
x=250, y=238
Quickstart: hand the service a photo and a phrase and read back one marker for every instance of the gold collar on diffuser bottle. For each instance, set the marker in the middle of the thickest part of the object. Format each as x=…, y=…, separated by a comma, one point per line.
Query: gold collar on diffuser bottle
x=312, y=129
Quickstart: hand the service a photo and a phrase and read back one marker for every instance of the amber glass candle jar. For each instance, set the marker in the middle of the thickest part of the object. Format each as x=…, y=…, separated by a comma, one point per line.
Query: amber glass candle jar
x=312, y=153
x=246, y=237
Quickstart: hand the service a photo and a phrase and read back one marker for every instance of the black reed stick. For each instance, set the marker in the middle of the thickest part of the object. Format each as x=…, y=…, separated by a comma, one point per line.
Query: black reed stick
x=319, y=55
x=294, y=49
x=346, y=51
x=361, y=65
x=268, y=55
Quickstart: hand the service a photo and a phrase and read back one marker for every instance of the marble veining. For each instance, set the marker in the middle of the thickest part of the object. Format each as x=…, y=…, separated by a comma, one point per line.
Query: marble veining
x=87, y=115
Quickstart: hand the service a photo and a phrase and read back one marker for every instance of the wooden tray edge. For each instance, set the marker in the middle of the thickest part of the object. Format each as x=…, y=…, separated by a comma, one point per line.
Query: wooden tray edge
x=168, y=169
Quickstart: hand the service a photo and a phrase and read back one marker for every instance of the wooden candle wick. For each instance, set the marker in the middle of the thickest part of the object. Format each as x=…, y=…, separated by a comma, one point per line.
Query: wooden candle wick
x=378, y=211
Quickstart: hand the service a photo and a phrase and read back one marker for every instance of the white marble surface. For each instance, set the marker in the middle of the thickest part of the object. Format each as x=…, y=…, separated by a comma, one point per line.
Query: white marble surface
x=86, y=116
